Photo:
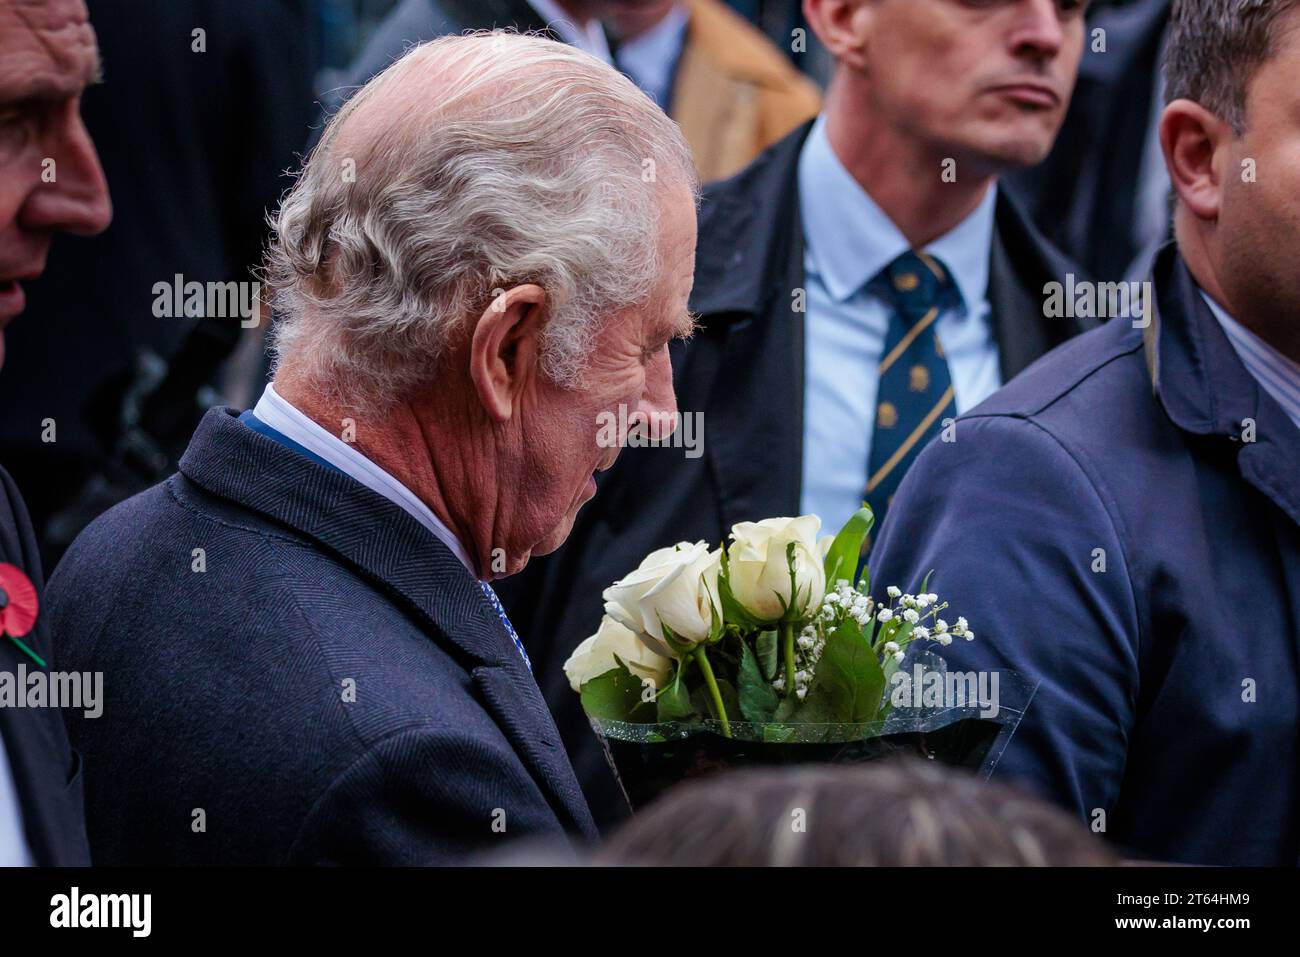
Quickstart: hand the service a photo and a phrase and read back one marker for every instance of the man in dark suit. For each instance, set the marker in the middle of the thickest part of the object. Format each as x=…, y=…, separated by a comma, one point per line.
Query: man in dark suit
x=304, y=661
x=873, y=239
x=47, y=57
x=1122, y=522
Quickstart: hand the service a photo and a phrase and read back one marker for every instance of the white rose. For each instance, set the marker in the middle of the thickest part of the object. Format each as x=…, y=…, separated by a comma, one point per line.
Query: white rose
x=611, y=644
x=673, y=587
x=760, y=573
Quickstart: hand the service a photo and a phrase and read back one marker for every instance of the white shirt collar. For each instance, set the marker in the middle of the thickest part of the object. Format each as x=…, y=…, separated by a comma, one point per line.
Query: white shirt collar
x=276, y=412
x=589, y=38
x=851, y=238
x=1276, y=374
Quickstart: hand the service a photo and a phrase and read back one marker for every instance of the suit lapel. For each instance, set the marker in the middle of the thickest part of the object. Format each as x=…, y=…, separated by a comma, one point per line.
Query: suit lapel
x=390, y=549
x=1021, y=264
x=750, y=265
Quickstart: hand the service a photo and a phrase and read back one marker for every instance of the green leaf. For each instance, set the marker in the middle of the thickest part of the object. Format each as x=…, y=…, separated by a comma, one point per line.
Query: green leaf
x=849, y=684
x=758, y=699
x=846, y=550
x=616, y=695
x=702, y=701
x=768, y=645
x=674, y=703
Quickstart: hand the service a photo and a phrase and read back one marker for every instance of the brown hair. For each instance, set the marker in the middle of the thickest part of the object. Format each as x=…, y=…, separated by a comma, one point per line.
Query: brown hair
x=893, y=812
x=1214, y=48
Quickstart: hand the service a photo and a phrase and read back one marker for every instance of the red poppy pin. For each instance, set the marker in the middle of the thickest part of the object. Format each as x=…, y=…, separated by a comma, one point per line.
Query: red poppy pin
x=18, y=607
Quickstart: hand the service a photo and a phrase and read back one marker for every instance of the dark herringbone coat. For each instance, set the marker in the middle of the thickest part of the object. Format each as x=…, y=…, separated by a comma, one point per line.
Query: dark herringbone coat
x=298, y=664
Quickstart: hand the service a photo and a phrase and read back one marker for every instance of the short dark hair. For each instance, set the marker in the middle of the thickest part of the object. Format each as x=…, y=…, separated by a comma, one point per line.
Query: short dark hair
x=889, y=812
x=1215, y=47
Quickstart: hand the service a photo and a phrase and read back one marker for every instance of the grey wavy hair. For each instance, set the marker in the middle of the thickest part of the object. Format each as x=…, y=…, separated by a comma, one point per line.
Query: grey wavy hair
x=534, y=163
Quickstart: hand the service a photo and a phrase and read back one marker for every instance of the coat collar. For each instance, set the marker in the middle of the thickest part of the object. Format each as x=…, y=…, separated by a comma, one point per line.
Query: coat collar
x=390, y=549
x=1206, y=391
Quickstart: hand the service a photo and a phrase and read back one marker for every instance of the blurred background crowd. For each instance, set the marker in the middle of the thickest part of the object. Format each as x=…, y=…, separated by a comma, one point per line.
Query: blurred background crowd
x=199, y=149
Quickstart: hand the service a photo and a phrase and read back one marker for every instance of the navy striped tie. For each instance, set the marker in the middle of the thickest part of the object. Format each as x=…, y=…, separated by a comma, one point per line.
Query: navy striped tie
x=915, y=390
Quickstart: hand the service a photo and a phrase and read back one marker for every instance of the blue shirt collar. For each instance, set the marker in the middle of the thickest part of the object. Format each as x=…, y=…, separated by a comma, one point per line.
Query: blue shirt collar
x=850, y=238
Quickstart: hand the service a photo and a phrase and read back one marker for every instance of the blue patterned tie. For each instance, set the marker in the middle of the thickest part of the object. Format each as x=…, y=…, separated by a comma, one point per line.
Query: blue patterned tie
x=495, y=602
x=915, y=391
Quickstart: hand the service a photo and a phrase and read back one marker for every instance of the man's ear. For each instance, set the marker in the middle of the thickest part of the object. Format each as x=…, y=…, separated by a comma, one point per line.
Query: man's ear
x=840, y=27
x=505, y=350
x=1194, y=142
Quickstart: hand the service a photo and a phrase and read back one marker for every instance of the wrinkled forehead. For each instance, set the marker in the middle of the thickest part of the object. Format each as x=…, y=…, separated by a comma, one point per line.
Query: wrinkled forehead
x=47, y=49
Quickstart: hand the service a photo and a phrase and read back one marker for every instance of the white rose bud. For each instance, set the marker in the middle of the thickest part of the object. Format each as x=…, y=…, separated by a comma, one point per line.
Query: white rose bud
x=597, y=655
x=674, y=587
x=760, y=571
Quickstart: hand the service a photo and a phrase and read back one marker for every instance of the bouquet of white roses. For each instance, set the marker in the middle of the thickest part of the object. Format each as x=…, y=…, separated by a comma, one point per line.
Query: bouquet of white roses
x=775, y=629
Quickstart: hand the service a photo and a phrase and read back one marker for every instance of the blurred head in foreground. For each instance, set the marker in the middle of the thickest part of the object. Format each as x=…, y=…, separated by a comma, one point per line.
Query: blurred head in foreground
x=882, y=814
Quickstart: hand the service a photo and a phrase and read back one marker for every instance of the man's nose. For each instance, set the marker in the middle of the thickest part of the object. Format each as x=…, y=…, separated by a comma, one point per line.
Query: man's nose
x=72, y=194
x=1038, y=31
x=659, y=402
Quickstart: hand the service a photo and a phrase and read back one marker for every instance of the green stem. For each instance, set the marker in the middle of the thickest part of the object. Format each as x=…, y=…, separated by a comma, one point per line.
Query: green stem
x=30, y=654
x=787, y=648
x=707, y=670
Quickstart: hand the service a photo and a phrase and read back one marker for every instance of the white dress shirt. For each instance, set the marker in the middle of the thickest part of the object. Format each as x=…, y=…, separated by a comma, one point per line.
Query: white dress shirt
x=590, y=38
x=1276, y=374
x=848, y=240
x=272, y=409
x=14, y=851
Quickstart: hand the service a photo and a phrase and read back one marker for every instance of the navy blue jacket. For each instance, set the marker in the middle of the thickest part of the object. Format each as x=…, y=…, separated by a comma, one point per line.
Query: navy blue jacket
x=1169, y=709
x=46, y=771
x=324, y=681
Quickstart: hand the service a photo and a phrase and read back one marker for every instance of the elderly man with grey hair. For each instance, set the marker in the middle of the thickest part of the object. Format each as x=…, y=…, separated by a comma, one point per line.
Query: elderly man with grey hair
x=304, y=660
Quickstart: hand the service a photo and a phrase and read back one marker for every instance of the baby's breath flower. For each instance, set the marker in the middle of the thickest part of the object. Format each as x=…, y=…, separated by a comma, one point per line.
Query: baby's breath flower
x=911, y=617
x=801, y=693
x=940, y=625
x=891, y=647
x=920, y=631
x=885, y=614
x=962, y=624
x=832, y=599
x=893, y=591
x=899, y=655
x=944, y=639
x=970, y=635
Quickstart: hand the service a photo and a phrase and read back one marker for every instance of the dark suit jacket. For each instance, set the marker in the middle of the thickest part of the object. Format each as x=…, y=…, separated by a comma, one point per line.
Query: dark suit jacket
x=333, y=688
x=1170, y=698
x=46, y=771
x=744, y=371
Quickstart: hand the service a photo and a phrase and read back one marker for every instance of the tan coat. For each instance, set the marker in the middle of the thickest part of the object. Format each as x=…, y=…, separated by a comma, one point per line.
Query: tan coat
x=735, y=93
